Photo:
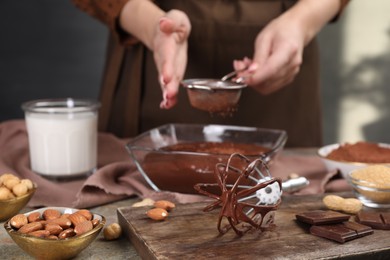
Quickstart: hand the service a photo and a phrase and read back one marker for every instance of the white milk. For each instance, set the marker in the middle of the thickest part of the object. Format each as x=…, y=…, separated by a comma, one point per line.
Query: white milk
x=62, y=144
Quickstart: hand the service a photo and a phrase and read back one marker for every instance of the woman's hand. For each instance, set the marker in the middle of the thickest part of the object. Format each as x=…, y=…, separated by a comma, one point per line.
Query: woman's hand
x=279, y=46
x=165, y=34
x=170, y=53
x=277, y=58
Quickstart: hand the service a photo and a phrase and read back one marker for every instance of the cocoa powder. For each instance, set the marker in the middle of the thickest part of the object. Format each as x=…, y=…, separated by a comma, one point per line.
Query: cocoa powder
x=365, y=152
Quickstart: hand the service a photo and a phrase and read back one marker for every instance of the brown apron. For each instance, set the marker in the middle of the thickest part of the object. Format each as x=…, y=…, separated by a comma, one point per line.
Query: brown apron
x=222, y=30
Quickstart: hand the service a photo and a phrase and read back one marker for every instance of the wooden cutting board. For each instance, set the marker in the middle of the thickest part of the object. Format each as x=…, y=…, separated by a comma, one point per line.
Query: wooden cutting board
x=190, y=233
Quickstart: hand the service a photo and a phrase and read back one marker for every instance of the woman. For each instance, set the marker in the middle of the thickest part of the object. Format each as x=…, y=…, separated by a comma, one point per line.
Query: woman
x=150, y=40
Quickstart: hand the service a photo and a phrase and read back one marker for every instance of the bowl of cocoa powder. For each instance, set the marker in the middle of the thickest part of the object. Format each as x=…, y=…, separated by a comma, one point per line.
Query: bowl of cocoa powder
x=347, y=157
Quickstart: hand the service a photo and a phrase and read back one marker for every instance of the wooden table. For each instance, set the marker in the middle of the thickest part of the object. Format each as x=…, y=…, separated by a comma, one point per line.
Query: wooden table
x=190, y=232
x=123, y=249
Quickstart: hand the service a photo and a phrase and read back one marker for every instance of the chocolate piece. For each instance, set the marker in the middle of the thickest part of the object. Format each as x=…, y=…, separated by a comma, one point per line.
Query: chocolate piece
x=361, y=230
x=377, y=220
x=320, y=217
x=341, y=232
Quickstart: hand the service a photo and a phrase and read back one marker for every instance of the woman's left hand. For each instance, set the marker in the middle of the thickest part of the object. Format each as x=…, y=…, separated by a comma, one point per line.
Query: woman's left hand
x=277, y=58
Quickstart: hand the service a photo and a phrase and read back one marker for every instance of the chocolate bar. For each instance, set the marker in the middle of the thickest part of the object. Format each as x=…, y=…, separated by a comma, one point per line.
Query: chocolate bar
x=341, y=232
x=321, y=217
x=377, y=220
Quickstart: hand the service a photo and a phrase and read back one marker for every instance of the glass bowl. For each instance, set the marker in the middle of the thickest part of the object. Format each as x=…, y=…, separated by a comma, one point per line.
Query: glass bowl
x=371, y=185
x=12, y=206
x=345, y=167
x=175, y=157
x=44, y=248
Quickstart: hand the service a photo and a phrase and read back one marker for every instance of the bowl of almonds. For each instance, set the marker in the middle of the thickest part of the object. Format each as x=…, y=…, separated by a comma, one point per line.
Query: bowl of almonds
x=15, y=193
x=55, y=232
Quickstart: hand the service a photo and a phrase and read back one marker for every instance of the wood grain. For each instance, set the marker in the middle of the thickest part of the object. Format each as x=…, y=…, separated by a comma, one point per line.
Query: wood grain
x=190, y=233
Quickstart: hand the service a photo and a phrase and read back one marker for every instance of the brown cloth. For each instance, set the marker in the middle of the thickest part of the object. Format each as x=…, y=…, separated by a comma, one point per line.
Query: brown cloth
x=117, y=177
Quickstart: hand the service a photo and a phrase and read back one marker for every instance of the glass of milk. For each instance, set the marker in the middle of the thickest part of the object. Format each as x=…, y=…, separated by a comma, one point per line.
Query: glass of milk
x=62, y=135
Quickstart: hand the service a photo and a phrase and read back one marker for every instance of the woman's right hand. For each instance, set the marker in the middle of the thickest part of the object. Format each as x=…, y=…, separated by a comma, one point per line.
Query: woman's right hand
x=170, y=53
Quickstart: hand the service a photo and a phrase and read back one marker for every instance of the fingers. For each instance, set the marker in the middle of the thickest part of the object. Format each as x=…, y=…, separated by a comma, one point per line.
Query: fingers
x=170, y=54
x=277, y=70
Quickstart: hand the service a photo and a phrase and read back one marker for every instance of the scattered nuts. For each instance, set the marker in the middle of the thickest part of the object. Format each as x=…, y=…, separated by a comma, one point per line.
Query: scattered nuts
x=349, y=205
x=112, y=231
x=144, y=202
x=164, y=204
x=157, y=214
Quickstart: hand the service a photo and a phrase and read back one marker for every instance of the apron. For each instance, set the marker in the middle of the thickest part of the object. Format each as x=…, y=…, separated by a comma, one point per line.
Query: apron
x=222, y=30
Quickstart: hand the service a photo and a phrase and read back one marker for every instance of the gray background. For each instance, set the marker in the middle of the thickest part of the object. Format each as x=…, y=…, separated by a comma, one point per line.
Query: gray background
x=50, y=49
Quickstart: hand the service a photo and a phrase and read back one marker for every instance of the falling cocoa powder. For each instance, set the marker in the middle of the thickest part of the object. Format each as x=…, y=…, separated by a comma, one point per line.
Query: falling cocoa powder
x=365, y=152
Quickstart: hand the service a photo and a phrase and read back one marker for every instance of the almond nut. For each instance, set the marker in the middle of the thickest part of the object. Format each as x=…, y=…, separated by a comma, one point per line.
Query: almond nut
x=18, y=221
x=157, y=214
x=76, y=218
x=50, y=214
x=164, y=204
x=86, y=213
x=30, y=227
x=62, y=222
x=67, y=233
x=40, y=233
x=35, y=216
x=83, y=227
x=53, y=228
x=95, y=222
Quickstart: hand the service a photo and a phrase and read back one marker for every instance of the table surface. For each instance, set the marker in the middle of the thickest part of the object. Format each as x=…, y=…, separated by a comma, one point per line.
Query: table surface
x=100, y=248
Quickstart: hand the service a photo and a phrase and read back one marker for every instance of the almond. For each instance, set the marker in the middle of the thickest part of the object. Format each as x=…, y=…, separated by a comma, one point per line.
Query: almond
x=83, y=227
x=95, y=222
x=40, y=233
x=35, y=216
x=157, y=214
x=62, y=222
x=18, y=221
x=86, y=213
x=49, y=214
x=76, y=218
x=52, y=237
x=164, y=204
x=30, y=227
x=53, y=228
x=67, y=233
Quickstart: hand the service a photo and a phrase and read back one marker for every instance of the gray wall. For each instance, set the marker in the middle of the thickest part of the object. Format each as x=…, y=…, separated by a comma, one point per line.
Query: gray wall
x=50, y=49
